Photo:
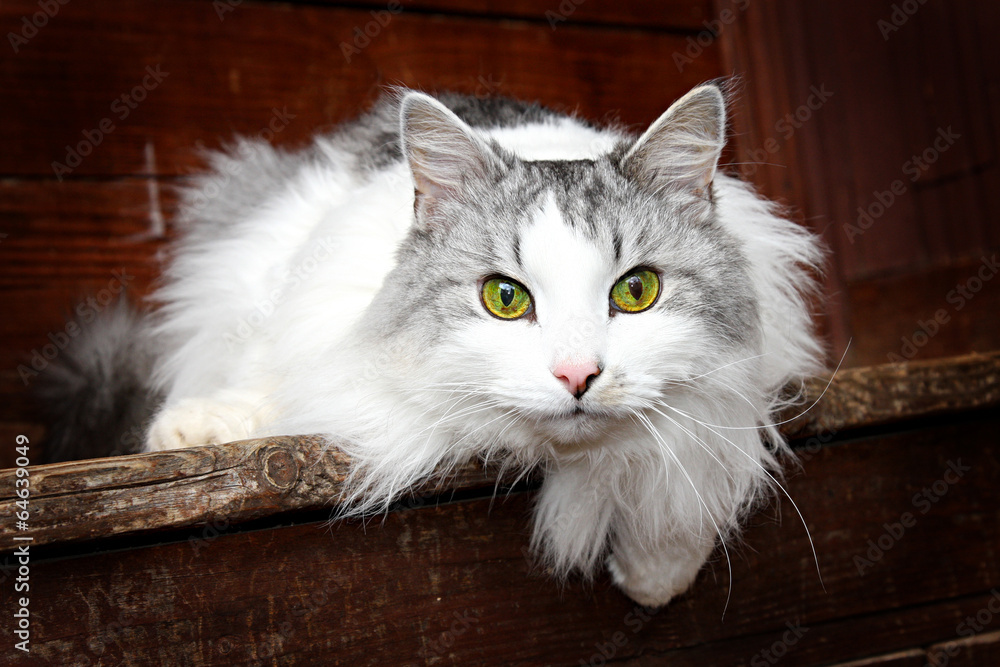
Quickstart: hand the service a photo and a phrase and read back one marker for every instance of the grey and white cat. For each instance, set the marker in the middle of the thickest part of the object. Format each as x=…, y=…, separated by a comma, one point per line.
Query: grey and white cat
x=454, y=278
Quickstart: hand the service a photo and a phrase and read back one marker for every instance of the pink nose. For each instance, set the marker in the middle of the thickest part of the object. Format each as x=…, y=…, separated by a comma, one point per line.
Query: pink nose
x=577, y=377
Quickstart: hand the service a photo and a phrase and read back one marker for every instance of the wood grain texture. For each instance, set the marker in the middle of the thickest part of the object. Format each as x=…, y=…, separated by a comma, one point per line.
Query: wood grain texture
x=879, y=395
x=907, y=134
x=831, y=642
x=68, y=241
x=285, y=72
x=663, y=14
x=234, y=482
x=928, y=313
x=454, y=584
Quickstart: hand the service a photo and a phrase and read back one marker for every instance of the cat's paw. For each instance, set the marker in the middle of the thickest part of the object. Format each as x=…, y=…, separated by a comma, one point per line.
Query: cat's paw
x=653, y=582
x=193, y=422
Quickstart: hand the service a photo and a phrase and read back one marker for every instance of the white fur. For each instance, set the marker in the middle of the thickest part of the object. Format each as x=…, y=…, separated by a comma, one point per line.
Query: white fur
x=657, y=479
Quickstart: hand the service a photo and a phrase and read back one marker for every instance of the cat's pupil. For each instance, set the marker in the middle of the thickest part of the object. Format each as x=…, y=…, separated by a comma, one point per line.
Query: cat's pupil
x=635, y=287
x=506, y=294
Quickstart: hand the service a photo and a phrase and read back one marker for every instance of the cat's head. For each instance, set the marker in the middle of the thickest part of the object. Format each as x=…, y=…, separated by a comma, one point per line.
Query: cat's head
x=561, y=297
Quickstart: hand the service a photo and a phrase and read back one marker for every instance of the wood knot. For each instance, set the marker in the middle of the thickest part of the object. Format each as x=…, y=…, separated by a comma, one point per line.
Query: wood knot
x=280, y=468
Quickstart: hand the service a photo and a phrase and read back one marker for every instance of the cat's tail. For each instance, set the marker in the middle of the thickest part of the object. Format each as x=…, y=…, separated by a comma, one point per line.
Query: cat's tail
x=97, y=397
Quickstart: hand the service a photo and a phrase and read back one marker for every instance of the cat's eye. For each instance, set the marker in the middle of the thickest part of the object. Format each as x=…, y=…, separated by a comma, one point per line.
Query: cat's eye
x=505, y=298
x=636, y=291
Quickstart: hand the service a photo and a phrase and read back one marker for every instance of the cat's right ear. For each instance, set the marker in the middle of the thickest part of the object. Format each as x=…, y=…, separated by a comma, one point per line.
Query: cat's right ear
x=442, y=151
x=681, y=149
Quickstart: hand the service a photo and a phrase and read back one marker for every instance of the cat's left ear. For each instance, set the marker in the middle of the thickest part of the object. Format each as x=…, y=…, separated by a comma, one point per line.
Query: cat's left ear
x=443, y=152
x=681, y=149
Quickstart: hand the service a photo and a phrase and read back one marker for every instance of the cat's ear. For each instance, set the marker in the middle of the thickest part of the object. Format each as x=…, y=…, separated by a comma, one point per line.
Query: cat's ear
x=681, y=148
x=442, y=151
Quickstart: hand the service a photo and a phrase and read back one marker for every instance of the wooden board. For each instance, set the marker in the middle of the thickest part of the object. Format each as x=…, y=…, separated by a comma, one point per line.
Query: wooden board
x=934, y=311
x=678, y=15
x=891, y=93
x=285, y=71
x=454, y=585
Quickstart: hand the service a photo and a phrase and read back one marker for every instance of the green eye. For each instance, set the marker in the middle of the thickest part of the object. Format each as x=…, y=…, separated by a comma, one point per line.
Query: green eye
x=636, y=291
x=505, y=299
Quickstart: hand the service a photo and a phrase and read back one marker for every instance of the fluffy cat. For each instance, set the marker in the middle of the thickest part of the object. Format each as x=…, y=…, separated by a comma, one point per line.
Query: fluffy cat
x=449, y=278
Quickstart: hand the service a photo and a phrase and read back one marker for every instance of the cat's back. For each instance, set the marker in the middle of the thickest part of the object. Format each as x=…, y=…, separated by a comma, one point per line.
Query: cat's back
x=528, y=129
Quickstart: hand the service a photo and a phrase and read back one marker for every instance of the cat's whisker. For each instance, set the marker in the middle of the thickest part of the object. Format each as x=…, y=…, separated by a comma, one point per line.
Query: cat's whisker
x=701, y=443
x=450, y=416
x=455, y=444
x=780, y=486
x=731, y=363
x=785, y=421
x=515, y=418
x=664, y=447
x=738, y=393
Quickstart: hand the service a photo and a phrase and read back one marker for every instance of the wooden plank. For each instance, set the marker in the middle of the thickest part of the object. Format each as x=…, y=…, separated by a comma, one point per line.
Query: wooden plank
x=70, y=240
x=783, y=161
x=933, y=312
x=886, y=639
x=232, y=482
x=970, y=650
x=291, y=70
x=962, y=198
x=452, y=584
x=891, y=393
x=665, y=14
x=908, y=658
x=886, y=106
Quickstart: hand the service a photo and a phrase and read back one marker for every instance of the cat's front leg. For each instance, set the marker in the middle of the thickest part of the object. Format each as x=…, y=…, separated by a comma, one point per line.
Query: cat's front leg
x=654, y=575
x=197, y=421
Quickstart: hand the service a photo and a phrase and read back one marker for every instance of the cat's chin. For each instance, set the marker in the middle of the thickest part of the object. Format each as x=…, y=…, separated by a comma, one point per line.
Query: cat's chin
x=575, y=429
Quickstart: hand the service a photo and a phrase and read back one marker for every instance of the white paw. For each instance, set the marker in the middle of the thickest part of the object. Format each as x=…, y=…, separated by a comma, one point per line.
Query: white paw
x=653, y=581
x=193, y=422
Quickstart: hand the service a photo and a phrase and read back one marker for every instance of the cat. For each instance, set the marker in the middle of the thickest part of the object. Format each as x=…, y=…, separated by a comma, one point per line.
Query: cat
x=449, y=278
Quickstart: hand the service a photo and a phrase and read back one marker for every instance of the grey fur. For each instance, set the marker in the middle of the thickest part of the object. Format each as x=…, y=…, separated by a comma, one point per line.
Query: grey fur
x=96, y=395
x=634, y=224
